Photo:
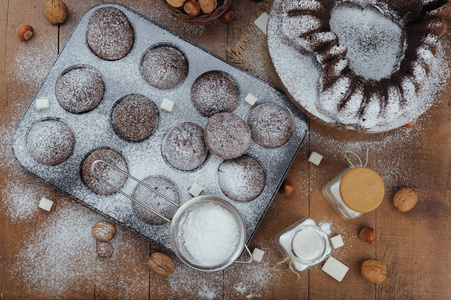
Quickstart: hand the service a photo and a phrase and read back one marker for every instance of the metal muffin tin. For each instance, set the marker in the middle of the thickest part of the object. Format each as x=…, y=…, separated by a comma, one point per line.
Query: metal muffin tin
x=93, y=129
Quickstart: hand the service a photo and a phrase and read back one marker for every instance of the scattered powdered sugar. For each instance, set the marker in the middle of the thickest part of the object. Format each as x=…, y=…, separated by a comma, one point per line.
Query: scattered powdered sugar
x=376, y=50
x=31, y=63
x=209, y=233
x=21, y=200
x=326, y=227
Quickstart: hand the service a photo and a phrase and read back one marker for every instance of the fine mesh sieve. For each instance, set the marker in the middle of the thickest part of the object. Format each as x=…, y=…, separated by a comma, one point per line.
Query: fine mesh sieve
x=177, y=242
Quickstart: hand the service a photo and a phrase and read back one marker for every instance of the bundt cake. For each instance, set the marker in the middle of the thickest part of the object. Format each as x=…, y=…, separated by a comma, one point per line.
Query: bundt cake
x=393, y=75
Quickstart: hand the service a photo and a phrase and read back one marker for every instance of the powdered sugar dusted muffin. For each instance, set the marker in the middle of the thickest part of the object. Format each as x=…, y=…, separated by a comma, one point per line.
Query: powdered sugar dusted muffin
x=164, y=67
x=135, y=117
x=80, y=90
x=215, y=92
x=110, y=35
x=155, y=202
x=271, y=125
x=184, y=147
x=227, y=135
x=104, y=171
x=366, y=65
x=242, y=178
x=50, y=142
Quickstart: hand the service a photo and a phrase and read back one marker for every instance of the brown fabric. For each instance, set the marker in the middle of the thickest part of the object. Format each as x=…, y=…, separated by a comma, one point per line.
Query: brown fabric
x=251, y=52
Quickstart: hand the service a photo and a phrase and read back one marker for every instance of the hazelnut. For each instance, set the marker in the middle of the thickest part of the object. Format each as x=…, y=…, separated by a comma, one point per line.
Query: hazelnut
x=228, y=16
x=405, y=199
x=104, y=250
x=411, y=123
x=208, y=6
x=176, y=3
x=56, y=11
x=374, y=271
x=367, y=234
x=191, y=8
x=25, y=32
x=286, y=188
x=161, y=264
x=103, y=231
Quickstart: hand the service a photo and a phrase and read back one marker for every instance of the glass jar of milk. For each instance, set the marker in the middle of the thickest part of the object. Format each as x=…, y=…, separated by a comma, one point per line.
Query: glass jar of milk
x=305, y=242
x=354, y=192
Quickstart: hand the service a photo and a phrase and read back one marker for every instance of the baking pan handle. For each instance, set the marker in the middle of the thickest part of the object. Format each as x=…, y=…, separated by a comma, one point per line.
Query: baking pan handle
x=126, y=195
x=246, y=261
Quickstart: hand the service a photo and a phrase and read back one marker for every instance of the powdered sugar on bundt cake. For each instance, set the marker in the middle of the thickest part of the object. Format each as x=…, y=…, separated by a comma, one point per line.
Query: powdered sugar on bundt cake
x=376, y=58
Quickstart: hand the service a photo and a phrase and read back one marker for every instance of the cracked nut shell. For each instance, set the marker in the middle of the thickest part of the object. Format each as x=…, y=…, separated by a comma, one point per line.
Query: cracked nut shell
x=104, y=250
x=374, y=271
x=103, y=231
x=161, y=264
x=405, y=199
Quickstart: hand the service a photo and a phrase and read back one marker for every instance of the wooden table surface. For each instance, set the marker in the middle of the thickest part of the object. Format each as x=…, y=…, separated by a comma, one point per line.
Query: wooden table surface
x=52, y=255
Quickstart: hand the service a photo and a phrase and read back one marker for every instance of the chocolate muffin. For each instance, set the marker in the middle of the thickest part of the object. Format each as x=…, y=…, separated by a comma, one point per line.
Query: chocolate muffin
x=227, y=135
x=109, y=34
x=271, y=125
x=242, y=178
x=50, y=142
x=184, y=147
x=104, y=171
x=135, y=117
x=157, y=203
x=164, y=67
x=80, y=90
x=215, y=92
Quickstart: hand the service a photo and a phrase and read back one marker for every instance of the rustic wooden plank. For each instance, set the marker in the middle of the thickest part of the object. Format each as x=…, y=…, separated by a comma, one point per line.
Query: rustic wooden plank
x=331, y=143
x=3, y=123
x=244, y=11
x=415, y=245
x=26, y=64
x=185, y=283
x=212, y=36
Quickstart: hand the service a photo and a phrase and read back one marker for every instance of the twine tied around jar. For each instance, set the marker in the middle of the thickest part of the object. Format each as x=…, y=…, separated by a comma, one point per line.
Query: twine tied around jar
x=360, y=160
x=288, y=259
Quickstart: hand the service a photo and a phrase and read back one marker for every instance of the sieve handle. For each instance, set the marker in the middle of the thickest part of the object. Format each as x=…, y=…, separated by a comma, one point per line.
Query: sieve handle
x=250, y=257
x=126, y=195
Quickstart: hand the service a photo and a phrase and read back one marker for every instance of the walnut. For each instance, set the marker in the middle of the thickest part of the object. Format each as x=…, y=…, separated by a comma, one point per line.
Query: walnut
x=56, y=11
x=208, y=6
x=103, y=231
x=374, y=271
x=161, y=264
x=405, y=199
x=104, y=249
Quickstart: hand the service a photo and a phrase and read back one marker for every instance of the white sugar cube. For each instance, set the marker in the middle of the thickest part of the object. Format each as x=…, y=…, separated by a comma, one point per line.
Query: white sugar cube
x=195, y=190
x=257, y=254
x=315, y=158
x=250, y=99
x=335, y=269
x=167, y=105
x=262, y=22
x=336, y=241
x=42, y=103
x=45, y=204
